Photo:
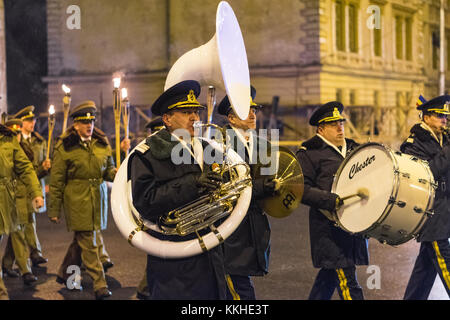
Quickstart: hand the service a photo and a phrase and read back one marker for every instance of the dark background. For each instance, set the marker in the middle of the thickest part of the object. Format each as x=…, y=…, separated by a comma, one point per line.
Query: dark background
x=26, y=54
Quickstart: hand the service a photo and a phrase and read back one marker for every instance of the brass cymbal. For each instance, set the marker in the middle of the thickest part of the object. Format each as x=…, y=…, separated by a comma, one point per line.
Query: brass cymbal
x=290, y=178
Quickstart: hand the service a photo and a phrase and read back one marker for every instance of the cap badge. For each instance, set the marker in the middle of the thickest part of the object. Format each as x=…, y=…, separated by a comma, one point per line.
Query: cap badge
x=191, y=96
x=336, y=113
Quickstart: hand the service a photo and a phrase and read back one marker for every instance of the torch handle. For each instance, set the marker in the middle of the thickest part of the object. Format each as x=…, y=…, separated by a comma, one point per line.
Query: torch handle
x=50, y=133
x=117, y=113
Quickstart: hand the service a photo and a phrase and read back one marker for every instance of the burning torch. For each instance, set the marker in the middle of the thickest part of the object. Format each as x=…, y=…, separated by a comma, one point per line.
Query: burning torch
x=51, y=126
x=66, y=106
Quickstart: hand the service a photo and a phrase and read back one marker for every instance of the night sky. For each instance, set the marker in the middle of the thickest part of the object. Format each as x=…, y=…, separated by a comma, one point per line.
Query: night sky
x=26, y=54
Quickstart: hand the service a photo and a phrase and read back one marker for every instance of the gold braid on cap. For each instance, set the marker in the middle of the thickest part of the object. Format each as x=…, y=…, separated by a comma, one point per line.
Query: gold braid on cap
x=88, y=116
x=189, y=103
x=29, y=115
x=336, y=116
x=444, y=109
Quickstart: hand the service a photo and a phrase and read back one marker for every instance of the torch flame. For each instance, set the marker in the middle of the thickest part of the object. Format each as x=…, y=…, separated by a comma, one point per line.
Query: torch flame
x=116, y=82
x=51, y=109
x=65, y=88
x=124, y=93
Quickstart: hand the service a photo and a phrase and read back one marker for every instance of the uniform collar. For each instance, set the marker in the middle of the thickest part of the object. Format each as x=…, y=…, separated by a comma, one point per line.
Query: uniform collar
x=342, y=152
x=427, y=128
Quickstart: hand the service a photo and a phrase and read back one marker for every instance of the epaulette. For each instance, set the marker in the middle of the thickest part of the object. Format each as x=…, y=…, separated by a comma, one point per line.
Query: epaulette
x=6, y=131
x=410, y=140
x=142, y=147
x=38, y=136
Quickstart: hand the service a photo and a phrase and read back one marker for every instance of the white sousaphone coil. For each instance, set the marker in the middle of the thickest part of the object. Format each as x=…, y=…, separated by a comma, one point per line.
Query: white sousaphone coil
x=221, y=62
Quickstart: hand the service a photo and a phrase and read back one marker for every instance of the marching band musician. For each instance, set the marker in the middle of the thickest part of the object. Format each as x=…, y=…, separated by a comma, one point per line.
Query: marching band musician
x=13, y=161
x=16, y=250
x=82, y=162
x=429, y=141
x=247, y=249
x=142, y=292
x=333, y=250
x=159, y=186
x=42, y=166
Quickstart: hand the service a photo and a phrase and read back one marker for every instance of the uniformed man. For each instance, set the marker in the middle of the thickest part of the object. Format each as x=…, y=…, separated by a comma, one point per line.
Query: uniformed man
x=82, y=162
x=16, y=250
x=429, y=141
x=247, y=250
x=14, y=162
x=333, y=250
x=42, y=166
x=142, y=291
x=159, y=186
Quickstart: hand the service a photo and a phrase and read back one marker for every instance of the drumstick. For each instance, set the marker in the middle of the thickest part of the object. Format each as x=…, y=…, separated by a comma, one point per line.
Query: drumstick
x=363, y=193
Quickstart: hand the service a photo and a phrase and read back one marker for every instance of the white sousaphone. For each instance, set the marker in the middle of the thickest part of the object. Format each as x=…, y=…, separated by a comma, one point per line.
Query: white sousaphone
x=222, y=62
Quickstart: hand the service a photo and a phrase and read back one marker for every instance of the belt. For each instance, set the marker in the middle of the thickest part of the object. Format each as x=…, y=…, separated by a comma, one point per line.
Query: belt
x=92, y=181
x=5, y=180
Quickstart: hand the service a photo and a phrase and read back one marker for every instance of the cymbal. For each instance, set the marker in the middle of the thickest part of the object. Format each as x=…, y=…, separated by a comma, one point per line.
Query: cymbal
x=289, y=176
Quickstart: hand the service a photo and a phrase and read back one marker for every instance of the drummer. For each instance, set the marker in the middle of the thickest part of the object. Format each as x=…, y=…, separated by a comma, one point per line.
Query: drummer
x=333, y=250
x=429, y=141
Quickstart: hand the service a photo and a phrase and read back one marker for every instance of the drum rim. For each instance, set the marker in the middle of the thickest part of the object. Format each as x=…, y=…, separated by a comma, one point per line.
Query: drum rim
x=395, y=185
x=431, y=195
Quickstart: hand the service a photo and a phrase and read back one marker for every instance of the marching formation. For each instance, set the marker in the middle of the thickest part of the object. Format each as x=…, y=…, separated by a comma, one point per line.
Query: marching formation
x=82, y=161
x=197, y=201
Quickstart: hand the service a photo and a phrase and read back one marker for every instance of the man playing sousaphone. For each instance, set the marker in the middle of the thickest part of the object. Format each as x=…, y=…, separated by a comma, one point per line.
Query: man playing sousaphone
x=333, y=250
x=429, y=141
x=247, y=250
x=160, y=183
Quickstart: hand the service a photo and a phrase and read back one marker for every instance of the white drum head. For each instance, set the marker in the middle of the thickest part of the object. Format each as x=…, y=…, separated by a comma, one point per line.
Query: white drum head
x=370, y=168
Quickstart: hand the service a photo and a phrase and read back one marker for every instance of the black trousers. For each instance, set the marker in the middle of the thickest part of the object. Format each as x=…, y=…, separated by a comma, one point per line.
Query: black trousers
x=240, y=288
x=344, y=279
x=433, y=258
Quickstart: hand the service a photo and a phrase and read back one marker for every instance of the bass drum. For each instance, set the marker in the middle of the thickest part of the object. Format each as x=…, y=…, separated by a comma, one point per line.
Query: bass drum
x=400, y=190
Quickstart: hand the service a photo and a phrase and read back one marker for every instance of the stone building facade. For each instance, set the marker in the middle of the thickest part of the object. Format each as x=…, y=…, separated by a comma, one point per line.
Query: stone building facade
x=307, y=52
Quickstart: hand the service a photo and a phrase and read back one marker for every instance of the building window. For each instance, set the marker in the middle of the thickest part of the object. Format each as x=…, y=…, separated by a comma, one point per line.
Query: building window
x=435, y=48
x=448, y=48
x=408, y=38
x=403, y=37
x=346, y=25
x=339, y=95
x=352, y=97
x=398, y=37
x=340, y=25
x=377, y=41
x=353, y=27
